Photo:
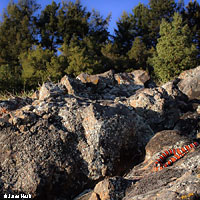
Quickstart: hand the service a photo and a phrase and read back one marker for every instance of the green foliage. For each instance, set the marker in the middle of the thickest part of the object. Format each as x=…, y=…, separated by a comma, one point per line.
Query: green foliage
x=159, y=10
x=79, y=61
x=174, y=51
x=47, y=26
x=138, y=53
x=56, y=68
x=124, y=33
x=16, y=30
x=10, y=77
x=84, y=37
x=98, y=27
x=191, y=16
x=80, y=57
x=72, y=19
x=142, y=21
x=114, y=60
x=146, y=38
x=16, y=36
x=39, y=65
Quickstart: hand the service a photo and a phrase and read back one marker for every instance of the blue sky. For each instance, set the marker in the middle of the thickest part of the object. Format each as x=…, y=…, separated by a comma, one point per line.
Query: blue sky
x=115, y=7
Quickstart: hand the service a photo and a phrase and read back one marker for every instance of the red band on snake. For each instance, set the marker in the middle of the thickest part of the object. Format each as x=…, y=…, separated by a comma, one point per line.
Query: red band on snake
x=178, y=153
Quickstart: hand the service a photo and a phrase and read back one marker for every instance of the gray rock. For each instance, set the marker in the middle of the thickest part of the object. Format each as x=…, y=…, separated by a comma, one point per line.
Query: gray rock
x=189, y=73
x=110, y=188
x=73, y=86
x=50, y=90
x=180, y=181
x=58, y=146
x=101, y=80
x=137, y=77
x=79, y=133
x=190, y=82
x=156, y=107
x=188, y=124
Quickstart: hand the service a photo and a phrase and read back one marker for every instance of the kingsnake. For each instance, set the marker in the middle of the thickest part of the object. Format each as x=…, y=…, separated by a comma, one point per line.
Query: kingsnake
x=178, y=153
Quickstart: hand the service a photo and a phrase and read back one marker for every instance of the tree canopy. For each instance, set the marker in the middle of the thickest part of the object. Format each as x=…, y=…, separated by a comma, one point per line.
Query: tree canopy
x=37, y=44
x=175, y=51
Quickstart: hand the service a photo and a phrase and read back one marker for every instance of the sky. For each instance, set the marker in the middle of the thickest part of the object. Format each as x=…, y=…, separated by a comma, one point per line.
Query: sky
x=115, y=7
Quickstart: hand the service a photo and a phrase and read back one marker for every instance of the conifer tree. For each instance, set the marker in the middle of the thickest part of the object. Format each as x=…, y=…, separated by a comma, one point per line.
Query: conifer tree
x=180, y=7
x=97, y=37
x=143, y=22
x=138, y=53
x=39, y=64
x=34, y=64
x=175, y=51
x=98, y=27
x=16, y=36
x=16, y=30
x=191, y=16
x=84, y=37
x=159, y=10
x=47, y=26
x=72, y=19
x=141, y=28
x=124, y=34
x=114, y=60
x=80, y=57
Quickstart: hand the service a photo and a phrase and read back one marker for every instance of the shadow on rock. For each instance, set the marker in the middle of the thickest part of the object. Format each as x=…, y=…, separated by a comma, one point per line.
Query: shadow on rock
x=75, y=133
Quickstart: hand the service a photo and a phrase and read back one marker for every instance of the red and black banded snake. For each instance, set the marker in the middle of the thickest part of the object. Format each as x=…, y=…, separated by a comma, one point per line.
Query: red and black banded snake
x=177, y=154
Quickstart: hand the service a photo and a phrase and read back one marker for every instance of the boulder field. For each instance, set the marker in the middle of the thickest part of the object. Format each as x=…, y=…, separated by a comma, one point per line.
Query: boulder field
x=97, y=137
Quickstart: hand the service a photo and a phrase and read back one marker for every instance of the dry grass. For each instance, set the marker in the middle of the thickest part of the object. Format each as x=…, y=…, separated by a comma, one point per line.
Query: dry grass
x=8, y=95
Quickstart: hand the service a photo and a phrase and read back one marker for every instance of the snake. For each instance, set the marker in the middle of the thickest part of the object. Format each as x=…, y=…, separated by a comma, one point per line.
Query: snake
x=177, y=154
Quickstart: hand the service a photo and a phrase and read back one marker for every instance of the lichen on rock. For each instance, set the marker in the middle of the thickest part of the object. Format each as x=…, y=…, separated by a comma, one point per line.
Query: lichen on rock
x=104, y=130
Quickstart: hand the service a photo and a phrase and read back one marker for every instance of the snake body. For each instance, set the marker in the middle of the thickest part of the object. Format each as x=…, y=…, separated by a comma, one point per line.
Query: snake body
x=177, y=154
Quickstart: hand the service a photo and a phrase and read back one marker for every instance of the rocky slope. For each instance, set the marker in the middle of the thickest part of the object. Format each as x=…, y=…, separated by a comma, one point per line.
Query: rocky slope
x=97, y=137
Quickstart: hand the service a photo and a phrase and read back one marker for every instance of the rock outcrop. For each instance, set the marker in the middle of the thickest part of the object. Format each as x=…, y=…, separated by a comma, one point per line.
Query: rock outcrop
x=189, y=83
x=104, y=130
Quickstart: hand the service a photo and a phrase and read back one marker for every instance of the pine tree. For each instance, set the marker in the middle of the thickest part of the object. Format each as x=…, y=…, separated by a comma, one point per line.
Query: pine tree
x=138, y=53
x=143, y=22
x=16, y=36
x=180, y=7
x=124, y=34
x=98, y=27
x=40, y=64
x=191, y=16
x=34, y=64
x=80, y=57
x=84, y=37
x=16, y=30
x=175, y=51
x=47, y=26
x=72, y=19
x=114, y=60
x=159, y=10
x=142, y=18
x=56, y=67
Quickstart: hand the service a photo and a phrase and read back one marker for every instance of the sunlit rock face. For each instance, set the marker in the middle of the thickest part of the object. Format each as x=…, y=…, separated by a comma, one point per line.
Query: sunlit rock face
x=104, y=130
